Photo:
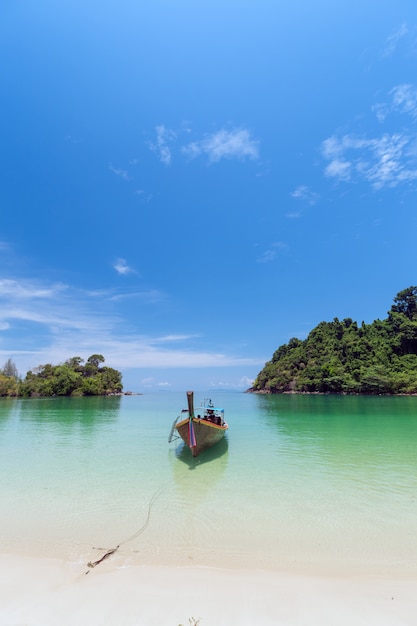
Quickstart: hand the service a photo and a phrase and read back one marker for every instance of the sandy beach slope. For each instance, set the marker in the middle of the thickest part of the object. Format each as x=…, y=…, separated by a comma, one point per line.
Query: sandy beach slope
x=39, y=592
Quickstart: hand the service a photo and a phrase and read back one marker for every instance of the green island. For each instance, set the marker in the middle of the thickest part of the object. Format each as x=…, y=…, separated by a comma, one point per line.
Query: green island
x=342, y=357
x=74, y=377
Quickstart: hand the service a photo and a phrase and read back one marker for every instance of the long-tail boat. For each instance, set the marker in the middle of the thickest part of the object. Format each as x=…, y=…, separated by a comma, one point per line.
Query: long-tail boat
x=199, y=428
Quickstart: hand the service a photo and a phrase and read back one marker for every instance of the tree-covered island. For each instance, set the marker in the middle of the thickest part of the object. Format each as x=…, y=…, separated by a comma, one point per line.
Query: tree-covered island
x=342, y=357
x=74, y=377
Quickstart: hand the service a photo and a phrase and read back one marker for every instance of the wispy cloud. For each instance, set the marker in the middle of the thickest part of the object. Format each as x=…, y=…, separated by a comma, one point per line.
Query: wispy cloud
x=162, y=147
x=26, y=290
x=173, y=338
x=302, y=192
x=122, y=267
x=44, y=323
x=224, y=144
x=149, y=382
x=271, y=253
x=241, y=383
x=339, y=169
x=149, y=296
x=393, y=39
x=402, y=99
x=51, y=306
x=119, y=172
x=144, y=195
x=388, y=160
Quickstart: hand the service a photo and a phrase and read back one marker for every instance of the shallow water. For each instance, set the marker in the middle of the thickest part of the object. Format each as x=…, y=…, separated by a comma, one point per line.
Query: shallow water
x=300, y=482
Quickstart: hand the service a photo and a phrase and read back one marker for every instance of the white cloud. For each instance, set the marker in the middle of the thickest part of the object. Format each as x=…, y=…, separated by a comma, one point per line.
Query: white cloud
x=119, y=172
x=145, y=196
x=121, y=267
x=25, y=290
x=381, y=111
x=49, y=323
x=339, y=169
x=150, y=296
x=244, y=382
x=224, y=144
x=388, y=160
x=393, y=39
x=271, y=254
x=162, y=146
x=267, y=256
x=331, y=147
x=387, y=166
x=302, y=192
x=151, y=383
x=170, y=338
x=403, y=100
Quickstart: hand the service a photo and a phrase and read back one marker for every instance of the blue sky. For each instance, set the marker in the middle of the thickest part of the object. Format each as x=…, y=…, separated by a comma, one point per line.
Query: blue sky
x=188, y=185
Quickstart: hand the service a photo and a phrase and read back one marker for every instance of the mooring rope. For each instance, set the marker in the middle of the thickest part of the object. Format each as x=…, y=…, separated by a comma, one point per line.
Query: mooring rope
x=92, y=564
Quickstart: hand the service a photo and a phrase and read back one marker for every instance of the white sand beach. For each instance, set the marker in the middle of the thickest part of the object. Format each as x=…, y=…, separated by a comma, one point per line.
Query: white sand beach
x=42, y=592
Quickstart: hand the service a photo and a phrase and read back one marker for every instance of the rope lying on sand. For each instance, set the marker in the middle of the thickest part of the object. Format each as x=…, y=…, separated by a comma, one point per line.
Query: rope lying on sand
x=108, y=553
x=92, y=564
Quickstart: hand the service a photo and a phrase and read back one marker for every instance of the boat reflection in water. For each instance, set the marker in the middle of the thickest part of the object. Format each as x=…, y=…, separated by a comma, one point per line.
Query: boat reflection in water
x=196, y=479
x=183, y=454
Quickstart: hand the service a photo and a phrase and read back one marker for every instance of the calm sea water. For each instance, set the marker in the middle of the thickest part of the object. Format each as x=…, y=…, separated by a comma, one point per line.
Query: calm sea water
x=299, y=482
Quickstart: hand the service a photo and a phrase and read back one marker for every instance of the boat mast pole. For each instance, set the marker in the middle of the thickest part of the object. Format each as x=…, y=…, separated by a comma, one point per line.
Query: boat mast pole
x=191, y=435
x=190, y=400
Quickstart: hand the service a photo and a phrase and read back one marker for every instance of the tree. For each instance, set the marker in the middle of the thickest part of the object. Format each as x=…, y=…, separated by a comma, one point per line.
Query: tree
x=111, y=379
x=91, y=387
x=66, y=380
x=95, y=360
x=10, y=369
x=91, y=368
x=8, y=386
x=75, y=363
x=406, y=303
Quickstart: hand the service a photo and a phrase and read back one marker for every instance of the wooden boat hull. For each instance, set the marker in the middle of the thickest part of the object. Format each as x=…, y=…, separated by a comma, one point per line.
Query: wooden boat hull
x=206, y=434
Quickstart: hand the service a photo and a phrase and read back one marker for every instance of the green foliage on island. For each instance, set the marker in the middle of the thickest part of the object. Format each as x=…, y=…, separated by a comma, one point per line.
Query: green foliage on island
x=9, y=380
x=342, y=357
x=72, y=378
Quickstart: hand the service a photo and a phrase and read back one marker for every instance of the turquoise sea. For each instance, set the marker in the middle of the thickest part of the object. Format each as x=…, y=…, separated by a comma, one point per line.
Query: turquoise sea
x=300, y=483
